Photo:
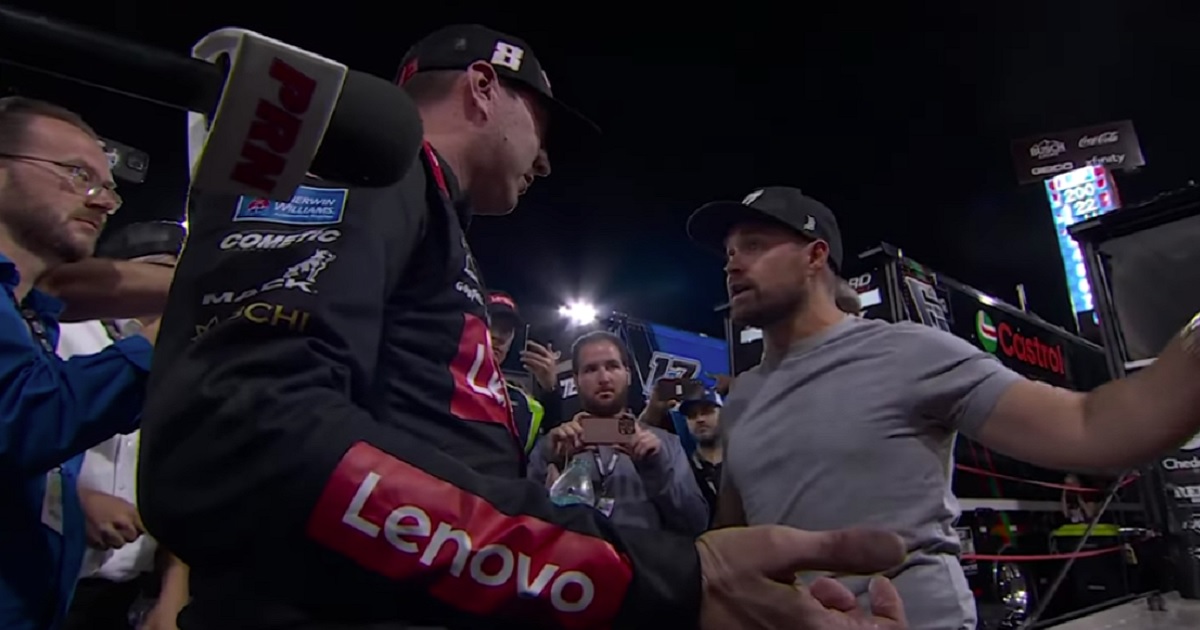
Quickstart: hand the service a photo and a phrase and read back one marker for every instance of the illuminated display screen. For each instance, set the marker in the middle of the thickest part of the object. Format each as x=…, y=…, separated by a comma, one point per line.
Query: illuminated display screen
x=1076, y=196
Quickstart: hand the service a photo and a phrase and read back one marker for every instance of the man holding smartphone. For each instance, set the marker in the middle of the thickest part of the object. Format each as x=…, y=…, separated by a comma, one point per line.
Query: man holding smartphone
x=509, y=330
x=642, y=472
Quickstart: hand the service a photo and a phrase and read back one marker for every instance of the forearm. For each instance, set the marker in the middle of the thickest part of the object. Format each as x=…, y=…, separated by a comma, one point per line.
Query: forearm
x=97, y=288
x=174, y=591
x=1138, y=417
x=654, y=418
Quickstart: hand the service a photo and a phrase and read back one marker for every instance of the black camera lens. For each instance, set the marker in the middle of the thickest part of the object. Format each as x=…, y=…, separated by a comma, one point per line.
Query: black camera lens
x=136, y=162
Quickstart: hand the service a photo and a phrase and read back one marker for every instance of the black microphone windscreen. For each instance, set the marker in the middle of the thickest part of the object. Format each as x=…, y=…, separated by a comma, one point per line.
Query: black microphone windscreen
x=374, y=136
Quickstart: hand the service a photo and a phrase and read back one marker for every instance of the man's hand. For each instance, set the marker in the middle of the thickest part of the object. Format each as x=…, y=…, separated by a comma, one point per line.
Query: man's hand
x=160, y=618
x=542, y=363
x=644, y=445
x=749, y=579
x=111, y=522
x=566, y=439
x=150, y=328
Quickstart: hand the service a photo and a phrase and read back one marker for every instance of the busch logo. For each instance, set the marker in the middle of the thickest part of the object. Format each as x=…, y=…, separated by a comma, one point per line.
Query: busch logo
x=277, y=240
x=1047, y=149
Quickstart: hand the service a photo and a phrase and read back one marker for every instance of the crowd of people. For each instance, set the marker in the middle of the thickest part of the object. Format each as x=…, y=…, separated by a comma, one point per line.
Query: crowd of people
x=326, y=439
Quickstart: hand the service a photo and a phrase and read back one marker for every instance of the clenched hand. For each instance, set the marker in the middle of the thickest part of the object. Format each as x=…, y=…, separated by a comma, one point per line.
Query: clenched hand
x=111, y=521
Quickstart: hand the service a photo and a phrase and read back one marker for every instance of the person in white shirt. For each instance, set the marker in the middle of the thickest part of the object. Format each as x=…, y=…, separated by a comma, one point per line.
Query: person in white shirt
x=121, y=586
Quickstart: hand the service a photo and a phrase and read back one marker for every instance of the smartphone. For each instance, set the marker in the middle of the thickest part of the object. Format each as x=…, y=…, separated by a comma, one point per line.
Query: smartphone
x=669, y=389
x=607, y=431
x=525, y=338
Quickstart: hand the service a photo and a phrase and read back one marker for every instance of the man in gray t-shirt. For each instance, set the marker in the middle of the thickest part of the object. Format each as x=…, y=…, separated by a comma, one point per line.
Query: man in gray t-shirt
x=851, y=422
x=855, y=426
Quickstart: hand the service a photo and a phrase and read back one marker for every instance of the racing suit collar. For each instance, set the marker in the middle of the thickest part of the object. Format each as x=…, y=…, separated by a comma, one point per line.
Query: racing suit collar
x=457, y=198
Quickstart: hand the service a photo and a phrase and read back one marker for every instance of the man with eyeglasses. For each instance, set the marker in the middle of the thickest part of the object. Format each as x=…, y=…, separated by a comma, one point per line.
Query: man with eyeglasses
x=56, y=193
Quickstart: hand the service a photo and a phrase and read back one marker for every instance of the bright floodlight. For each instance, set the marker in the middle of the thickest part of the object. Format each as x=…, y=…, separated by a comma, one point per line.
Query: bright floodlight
x=580, y=313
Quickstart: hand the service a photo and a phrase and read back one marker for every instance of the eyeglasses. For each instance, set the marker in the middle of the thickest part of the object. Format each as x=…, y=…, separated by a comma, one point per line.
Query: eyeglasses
x=82, y=179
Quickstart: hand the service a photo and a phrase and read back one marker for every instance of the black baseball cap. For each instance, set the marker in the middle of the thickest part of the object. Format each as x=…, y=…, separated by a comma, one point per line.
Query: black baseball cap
x=457, y=47
x=501, y=305
x=148, y=238
x=710, y=225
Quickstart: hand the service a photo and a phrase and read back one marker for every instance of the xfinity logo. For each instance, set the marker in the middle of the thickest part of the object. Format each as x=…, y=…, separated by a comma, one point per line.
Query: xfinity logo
x=277, y=240
x=1108, y=137
x=408, y=528
x=1181, y=464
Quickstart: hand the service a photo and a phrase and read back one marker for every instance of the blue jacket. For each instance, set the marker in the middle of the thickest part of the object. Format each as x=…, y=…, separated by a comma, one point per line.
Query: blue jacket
x=51, y=411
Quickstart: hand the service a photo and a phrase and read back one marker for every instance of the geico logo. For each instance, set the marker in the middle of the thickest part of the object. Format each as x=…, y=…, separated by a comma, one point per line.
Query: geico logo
x=496, y=565
x=1181, y=464
x=269, y=240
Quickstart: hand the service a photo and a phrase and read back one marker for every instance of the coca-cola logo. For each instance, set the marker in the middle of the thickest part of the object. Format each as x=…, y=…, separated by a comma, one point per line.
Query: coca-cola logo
x=1047, y=149
x=1107, y=137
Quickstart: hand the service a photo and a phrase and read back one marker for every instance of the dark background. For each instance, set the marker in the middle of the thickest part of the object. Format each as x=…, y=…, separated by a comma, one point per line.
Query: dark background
x=897, y=116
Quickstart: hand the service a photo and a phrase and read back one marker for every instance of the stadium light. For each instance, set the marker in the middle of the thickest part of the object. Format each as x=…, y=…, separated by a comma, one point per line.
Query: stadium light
x=579, y=313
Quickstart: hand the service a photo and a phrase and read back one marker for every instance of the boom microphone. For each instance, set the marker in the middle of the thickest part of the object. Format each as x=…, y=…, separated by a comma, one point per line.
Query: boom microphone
x=270, y=112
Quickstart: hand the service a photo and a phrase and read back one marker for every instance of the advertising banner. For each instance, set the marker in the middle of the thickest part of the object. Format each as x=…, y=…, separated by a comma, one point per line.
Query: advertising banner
x=1114, y=145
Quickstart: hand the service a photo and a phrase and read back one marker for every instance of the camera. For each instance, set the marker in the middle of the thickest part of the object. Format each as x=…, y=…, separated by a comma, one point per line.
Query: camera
x=127, y=163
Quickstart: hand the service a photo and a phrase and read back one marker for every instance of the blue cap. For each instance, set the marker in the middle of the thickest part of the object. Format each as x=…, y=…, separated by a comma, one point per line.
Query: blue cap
x=710, y=396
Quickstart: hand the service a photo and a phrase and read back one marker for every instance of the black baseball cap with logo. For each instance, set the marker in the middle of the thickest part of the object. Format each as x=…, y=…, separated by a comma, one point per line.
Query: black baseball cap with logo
x=457, y=47
x=711, y=224
x=148, y=238
x=502, y=306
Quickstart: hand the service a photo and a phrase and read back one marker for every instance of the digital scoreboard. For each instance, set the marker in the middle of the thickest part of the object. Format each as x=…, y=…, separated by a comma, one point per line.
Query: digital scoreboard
x=1076, y=196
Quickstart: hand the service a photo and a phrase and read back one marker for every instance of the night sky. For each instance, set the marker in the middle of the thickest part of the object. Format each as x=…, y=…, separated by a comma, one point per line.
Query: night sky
x=896, y=116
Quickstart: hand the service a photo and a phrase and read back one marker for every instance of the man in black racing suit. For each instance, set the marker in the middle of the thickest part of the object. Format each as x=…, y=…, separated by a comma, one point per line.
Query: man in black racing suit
x=328, y=441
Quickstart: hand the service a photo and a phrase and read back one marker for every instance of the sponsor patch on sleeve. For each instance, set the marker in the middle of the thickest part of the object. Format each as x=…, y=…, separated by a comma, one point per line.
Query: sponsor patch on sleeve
x=309, y=206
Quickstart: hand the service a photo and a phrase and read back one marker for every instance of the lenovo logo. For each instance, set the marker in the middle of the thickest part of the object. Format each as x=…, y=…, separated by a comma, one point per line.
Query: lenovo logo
x=404, y=523
x=408, y=528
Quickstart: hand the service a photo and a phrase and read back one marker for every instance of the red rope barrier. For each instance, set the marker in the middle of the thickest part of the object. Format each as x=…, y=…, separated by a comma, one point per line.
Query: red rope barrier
x=1045, y=484
x=1050, y=556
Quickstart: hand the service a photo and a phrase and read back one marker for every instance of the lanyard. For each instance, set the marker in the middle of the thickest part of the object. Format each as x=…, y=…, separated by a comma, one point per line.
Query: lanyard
x=37, y=329
x=605, y=471
x=703, y=472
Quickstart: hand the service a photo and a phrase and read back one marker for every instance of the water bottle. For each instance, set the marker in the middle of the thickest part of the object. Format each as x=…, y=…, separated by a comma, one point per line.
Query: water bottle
x=139, y=610
x=575, y=487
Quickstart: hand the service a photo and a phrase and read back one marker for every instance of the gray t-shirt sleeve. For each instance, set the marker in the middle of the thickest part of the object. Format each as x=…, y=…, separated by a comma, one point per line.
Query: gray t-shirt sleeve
x=956, y=384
